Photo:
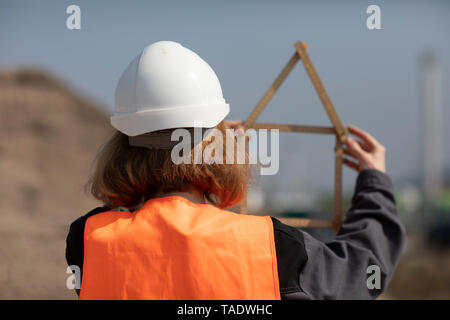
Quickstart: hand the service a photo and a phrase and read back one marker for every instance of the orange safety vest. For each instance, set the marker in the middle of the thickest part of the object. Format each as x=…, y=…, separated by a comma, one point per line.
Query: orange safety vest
x=172, y=248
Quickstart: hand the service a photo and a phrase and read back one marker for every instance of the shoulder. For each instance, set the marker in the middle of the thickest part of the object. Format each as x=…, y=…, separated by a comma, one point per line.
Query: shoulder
x=287, y=230
x=291, y=256
x=79, y=223
x=75, y=237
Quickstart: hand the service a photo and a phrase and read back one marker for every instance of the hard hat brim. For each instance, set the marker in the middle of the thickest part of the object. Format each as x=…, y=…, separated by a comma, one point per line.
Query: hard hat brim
x=206, y=116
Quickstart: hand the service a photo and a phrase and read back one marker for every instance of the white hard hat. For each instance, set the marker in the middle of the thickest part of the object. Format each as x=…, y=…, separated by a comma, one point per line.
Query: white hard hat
x=167, y=86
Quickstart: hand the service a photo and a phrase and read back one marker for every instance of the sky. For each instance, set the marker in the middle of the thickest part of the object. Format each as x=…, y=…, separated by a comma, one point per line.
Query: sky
x=372, y=76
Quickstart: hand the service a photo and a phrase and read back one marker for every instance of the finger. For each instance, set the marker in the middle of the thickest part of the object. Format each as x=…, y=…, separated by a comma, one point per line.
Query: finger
x=234, y=123
x=355, y=148
x=364, y=136
x=349, y=152
x=363, y=145
x=237, y=127
x=351, y=164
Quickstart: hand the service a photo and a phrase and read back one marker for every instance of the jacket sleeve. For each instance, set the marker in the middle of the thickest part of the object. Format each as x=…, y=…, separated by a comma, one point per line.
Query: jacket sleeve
x=369, y=243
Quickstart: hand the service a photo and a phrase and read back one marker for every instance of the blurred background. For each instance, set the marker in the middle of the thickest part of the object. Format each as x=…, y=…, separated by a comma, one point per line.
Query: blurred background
x=57, y=91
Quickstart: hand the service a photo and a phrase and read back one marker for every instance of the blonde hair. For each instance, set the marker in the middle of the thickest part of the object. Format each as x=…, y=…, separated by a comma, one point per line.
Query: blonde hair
x=125, y=175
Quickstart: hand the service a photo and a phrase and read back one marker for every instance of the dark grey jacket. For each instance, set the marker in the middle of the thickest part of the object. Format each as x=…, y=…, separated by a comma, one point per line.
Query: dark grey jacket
x=369, y=243
x=371, y=235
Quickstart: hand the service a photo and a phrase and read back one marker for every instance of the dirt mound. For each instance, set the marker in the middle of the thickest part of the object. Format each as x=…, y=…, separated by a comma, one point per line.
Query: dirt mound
x=48, y=138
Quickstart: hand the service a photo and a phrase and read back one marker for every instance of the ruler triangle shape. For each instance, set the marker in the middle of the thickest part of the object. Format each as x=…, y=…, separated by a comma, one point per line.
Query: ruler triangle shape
x=337, y=129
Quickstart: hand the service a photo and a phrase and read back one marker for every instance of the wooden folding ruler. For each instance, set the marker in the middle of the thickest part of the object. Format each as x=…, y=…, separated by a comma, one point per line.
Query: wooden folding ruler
x=337, y=129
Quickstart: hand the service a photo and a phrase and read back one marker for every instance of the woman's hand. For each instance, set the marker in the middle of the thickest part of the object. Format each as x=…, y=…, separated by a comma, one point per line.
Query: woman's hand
x=366, y=153
x=236, y=125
